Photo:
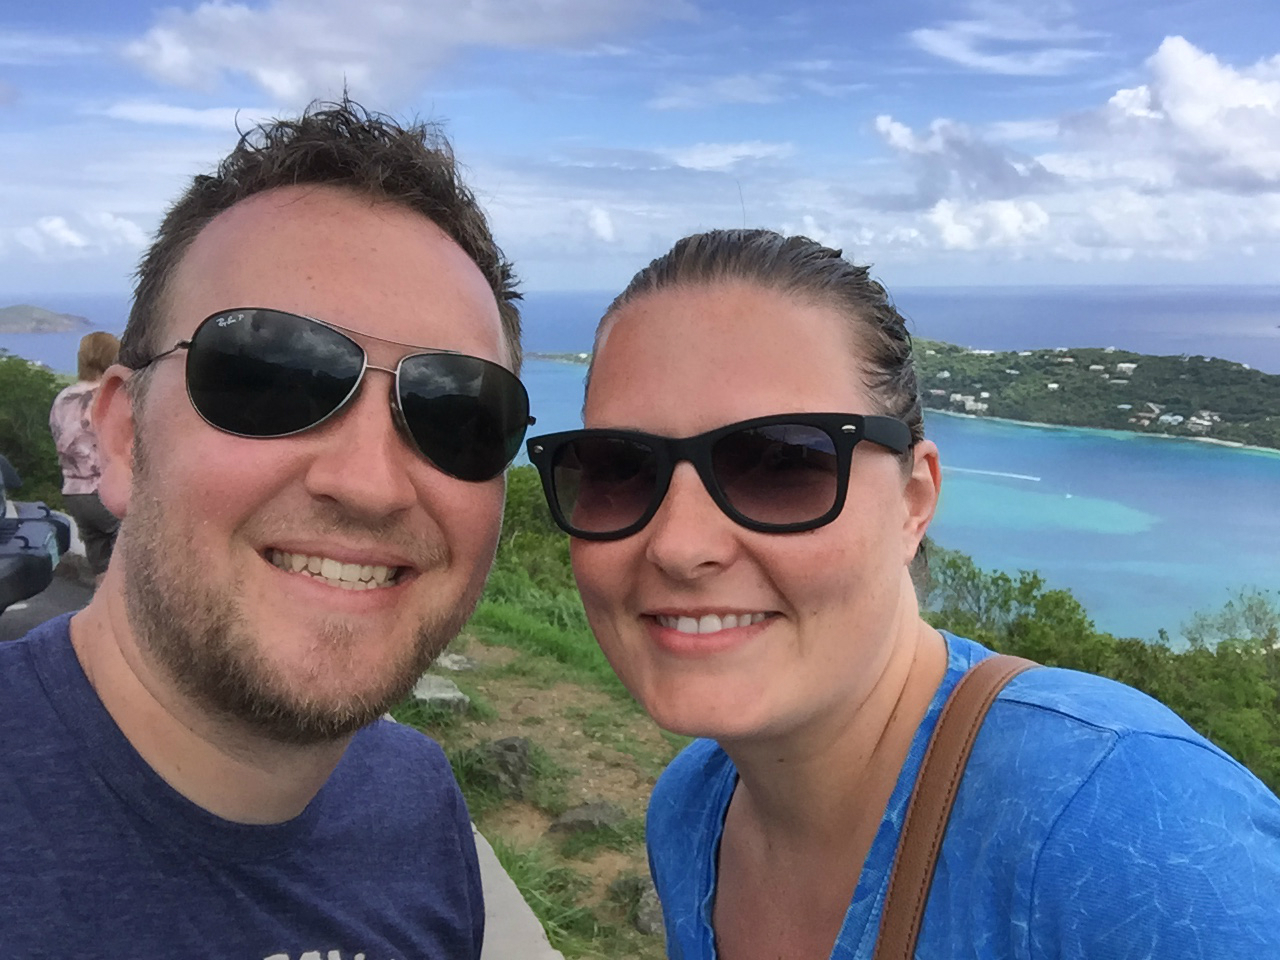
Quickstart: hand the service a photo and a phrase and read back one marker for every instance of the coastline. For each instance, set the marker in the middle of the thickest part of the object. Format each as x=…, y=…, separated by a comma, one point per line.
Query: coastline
x=1117, y=434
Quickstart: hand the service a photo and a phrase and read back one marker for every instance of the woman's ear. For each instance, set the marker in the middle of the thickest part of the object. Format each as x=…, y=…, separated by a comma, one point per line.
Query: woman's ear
x=113, y=424
x=924, y=484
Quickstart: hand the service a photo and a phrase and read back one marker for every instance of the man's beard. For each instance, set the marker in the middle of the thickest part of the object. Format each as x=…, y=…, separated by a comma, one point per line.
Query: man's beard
x=197, y=633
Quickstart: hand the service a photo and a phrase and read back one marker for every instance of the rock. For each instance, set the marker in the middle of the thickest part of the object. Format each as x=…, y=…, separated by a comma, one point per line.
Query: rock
x=641, y=900
x=648, y=918
x=454, y=662
x=441, y=692
x=588, y=816
x=506, y=764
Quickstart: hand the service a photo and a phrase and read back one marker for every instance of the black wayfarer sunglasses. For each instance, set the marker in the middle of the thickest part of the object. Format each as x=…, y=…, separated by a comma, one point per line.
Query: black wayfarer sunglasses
x=776, y=474
x=264, y=373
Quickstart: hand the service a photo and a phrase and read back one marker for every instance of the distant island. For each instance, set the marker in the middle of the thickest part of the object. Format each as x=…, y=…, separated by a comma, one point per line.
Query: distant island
x=1180, y=396
x=24, y=318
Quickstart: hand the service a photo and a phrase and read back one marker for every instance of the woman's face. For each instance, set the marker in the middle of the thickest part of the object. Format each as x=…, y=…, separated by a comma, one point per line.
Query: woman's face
x=685, y=360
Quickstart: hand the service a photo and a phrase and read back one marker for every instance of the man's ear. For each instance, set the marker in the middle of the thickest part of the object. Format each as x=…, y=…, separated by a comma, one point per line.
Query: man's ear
x=924, y=484
x=114, y=426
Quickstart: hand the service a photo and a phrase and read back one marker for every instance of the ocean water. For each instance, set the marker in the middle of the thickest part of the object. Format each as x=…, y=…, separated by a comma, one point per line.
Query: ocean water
x=1144, y=531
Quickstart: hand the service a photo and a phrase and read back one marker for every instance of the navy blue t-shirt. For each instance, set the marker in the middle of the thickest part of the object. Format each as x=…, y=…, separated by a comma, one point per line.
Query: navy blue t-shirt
x=100, y=858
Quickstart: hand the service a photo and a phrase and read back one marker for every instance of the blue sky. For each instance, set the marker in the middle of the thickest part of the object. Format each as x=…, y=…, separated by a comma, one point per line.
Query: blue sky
x=946, y=141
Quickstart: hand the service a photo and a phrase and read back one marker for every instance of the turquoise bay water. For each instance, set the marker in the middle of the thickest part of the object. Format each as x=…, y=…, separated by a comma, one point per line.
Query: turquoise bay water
x=1144, y=531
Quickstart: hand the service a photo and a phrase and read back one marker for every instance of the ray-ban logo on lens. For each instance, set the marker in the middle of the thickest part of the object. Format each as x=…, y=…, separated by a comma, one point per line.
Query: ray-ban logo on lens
x=227, y=321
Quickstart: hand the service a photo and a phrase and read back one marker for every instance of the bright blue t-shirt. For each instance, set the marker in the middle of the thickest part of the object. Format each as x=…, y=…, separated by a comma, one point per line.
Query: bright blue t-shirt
x=100, y=859
x=1092, y=824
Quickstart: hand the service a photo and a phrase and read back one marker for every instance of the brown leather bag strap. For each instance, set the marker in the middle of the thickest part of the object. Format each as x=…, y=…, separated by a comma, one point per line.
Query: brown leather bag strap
x=931, y=802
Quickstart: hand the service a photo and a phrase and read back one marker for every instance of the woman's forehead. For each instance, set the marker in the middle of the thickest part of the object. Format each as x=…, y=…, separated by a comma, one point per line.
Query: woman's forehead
x=740, y=347
x=734, y=317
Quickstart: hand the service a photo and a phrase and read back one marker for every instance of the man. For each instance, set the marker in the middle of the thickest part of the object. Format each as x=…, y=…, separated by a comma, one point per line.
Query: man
x=305, y=440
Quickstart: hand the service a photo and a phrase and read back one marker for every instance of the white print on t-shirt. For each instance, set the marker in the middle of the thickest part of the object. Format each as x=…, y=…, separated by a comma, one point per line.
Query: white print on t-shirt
x=314, y=955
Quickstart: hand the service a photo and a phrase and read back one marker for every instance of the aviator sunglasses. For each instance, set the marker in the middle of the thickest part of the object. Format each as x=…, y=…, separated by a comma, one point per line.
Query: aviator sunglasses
x=777, y=474
x=267, y=373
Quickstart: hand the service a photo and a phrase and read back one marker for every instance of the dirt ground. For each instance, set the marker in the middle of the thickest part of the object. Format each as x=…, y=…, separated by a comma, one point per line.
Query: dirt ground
x=594, y=747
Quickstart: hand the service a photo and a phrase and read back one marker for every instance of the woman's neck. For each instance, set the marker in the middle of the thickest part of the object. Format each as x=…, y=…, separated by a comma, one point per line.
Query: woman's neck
x=813, y=786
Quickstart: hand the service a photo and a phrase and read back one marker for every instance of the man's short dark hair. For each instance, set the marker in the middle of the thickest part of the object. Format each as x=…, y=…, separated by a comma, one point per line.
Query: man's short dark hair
x=334, y=144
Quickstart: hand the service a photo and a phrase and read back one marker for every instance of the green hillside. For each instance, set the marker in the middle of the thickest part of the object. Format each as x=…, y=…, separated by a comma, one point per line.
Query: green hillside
x=1115, y=389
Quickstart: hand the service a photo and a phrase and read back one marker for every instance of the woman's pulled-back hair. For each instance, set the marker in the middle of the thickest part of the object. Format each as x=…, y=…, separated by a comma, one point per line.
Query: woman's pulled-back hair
x=803, y=268
x=98, y=350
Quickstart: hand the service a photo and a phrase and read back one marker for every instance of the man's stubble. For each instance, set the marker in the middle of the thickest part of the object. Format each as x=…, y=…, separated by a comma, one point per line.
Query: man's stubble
x=196, y=632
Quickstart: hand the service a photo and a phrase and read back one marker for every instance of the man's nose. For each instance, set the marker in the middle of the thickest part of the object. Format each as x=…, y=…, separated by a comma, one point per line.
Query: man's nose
x=362, y=460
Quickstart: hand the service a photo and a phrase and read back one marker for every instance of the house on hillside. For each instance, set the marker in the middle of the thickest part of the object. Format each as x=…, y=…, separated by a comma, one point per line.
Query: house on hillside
x=1126, y=369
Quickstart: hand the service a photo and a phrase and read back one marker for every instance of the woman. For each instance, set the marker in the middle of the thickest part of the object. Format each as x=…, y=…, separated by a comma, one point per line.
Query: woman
x=748, y=595
x=69, y=420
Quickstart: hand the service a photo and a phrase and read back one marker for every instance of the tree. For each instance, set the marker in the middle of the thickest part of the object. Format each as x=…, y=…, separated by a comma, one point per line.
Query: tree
x=26, y=394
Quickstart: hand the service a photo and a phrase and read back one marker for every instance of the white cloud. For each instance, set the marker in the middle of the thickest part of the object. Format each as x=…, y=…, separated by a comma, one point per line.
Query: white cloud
x=222, y=119
x=49, y=233
x=738, y=88
x=1013, y=130
x=25, y=49
x=57, y=230
x=601, y=223
x=723, y=156
x=993, y=223
x=117, y=231
x=1011, y=39
x=1205, y=124
x=296, y=49
x=53, y=236
x=951, y=159
x=1183, y=167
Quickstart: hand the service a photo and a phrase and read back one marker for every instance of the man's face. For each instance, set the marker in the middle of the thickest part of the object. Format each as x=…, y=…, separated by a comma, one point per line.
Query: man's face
x=216, y=523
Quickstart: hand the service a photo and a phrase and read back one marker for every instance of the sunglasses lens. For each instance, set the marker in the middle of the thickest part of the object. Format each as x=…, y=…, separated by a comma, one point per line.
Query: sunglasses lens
x=467, y=415
x=604, y=484
x=777, y=474
x=260, y=373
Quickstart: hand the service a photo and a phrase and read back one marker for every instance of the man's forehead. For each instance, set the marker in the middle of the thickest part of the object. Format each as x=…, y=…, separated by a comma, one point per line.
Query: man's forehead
x=370, y=265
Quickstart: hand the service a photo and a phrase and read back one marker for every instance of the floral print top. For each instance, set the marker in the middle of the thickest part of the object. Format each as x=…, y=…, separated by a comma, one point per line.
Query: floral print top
x=69, y=421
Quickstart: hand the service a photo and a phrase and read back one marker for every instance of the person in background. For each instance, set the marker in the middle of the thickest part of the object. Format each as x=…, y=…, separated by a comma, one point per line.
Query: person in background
x=71, y=422
x=746, y=501
x=305, y=439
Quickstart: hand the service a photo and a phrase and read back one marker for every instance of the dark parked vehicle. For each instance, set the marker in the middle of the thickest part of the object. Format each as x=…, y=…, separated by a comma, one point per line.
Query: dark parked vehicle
x=33, y=539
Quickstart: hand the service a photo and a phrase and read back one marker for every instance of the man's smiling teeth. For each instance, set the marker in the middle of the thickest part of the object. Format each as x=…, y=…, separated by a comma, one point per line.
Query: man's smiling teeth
x=710, y=623
x=347, y=576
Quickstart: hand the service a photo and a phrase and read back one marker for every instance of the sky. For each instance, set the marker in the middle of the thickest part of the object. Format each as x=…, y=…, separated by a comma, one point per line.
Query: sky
x=948, y=142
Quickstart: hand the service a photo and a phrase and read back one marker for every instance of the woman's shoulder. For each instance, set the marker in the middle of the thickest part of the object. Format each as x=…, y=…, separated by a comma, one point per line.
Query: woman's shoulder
x=73, y=390
x=699, y=767
x=697, y=783
x=1075, y=703
x=1064, y=735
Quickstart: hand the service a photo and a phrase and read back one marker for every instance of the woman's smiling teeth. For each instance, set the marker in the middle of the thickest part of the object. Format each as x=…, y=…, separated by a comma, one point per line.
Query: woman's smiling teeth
x=347, y=576
x=709, y=623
